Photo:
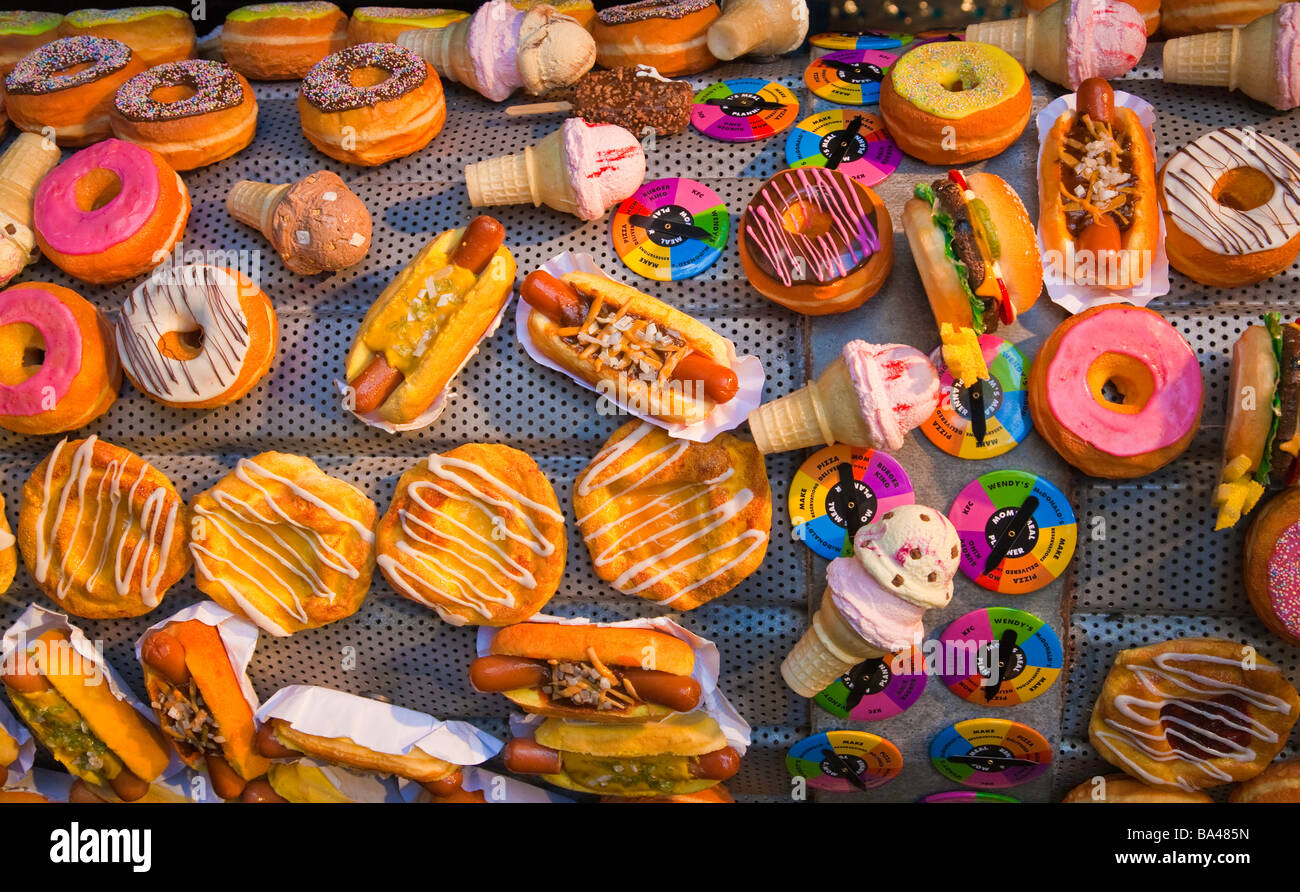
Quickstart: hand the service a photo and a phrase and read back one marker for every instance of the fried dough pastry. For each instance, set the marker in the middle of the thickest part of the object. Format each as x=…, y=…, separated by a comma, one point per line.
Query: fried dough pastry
x=674, y=522
x=475, y=534
x=281, y=542
x=1193, y=713
x=102, y=531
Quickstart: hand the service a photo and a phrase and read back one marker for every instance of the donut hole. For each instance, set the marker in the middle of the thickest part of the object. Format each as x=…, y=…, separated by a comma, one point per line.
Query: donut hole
x=1243, y=189
x=1121, y=383
x=22, y=352
x=959, y=81
x=802, y=218
x=181, y=346
x=96, y=189
x=74, y=68
x=368, y=76
x=166, y=94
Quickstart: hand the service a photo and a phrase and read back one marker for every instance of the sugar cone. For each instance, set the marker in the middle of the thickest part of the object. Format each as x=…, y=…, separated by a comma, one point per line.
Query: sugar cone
x=826, y=651
x=826, y=411
x=254, y=203
x=538, y=175
x=29, y=158
x=446, y=49
x=1239, y=58
x=1037, y=41
x=758, y=27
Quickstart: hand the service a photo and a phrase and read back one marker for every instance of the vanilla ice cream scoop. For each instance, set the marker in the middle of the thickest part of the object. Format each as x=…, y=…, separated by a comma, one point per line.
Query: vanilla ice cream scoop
x=913, y=551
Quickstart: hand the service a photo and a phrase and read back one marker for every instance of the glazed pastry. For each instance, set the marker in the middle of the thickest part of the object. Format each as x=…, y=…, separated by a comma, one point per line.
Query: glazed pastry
x=196, y=336
x=816, y=241
x=1256, y=59
x=138, y=210
x=68, y=85
x=903, y=564
x=382, y=24
x=1122, y=788
x=950, y=103
x=282, y=41
x=427, y=324
x=1179, y=17
x=1280, y=782
x=1231, y=201
x=1272, y=565
x=670, y=35
x=22, y=31
x=674, y=522
x=1192, y=713
x=102, y=531
x=22, y=166
x=582, y=169
x=280, y=542
x=1148, y=362
x=316, y=225
x=193, y=113
x=475, y=534
x=501, y=49
x=758, y=28
x=1071, y=40
x=1149, y=9
x=8, y=567
x=157, y=34
x=58, y=364
x=871, y=395
x=375, y=122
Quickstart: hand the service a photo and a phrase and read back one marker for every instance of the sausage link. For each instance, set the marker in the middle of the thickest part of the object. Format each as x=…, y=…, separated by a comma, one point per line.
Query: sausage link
x=677, y=692
x=445, y=786
x=128, y=786
x=718, y=765
x=1096, y=99
x=495, y=674
x=226, y=783
x=482, y=239
x=374, y=385
x=524, y=756
x=553, y=298
x=270, y=746
x=720, y=383
x=165, y=654
x=24, y=677
x=260, y=790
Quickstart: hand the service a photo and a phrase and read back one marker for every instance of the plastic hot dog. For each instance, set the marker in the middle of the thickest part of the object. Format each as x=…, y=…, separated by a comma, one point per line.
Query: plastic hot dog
x=1098, y=210
x=646, y=352
x=426, y=325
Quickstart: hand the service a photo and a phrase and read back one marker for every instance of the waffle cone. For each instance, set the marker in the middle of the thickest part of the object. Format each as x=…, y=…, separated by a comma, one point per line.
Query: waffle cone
x=29, y=158
x=538, y=175
x=254, y=203
x=826, y=651
x=1239, y=59
x=1036, y=41
x=826, y=411
x=446, y=49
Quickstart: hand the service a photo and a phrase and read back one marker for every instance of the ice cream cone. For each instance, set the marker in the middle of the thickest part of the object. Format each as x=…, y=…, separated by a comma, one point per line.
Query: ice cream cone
x=254, y=203
x=29, y=158
x=758, y=27
x=829, y=648
x=446, y=49
x=538, y=175
x=824, y=412
x=1239, y=59
x=1037, y=41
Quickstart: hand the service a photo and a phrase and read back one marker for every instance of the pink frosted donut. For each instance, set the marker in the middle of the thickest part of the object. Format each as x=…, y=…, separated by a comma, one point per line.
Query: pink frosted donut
x=110, y=212
x=58, y=364
x=1112, y=350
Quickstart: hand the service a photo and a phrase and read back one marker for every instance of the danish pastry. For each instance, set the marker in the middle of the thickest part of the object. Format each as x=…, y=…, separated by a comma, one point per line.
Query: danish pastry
x=1280, y=783
x=1193, y=713
x=671, y=521
x=475, y=534
x=1122, y=788
x=102, y=531
x=281, y=542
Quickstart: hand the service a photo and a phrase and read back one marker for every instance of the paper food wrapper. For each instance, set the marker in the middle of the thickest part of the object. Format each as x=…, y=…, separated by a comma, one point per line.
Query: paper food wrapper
x=237, y=634
x=26, y=747
x=382, y=727
x=53, y=785
x=440, y=402
x=707, y=661
x=1077, y=298
x=749, y=369
x=495, y=788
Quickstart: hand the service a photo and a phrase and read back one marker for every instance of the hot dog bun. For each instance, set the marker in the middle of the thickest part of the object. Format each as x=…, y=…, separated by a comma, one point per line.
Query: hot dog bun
x=644, y=648
x=416, y=765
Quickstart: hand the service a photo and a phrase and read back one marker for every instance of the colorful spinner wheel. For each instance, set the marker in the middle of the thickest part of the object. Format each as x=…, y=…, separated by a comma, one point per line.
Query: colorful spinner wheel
x=990, y=753
x=670, y=229
x=955, y=428
x=849, y=77
x=743, y=109
x=853, y=142
x=1017, y=656
x=841, y=488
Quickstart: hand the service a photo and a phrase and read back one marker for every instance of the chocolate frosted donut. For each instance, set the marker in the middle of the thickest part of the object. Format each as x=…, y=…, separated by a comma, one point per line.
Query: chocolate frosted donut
x=329, y=87
x=39, y=72
x=214, y=84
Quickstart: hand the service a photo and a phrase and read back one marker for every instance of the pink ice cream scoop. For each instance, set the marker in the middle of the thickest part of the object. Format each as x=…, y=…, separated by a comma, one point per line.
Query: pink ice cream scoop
x=883, y=619
x=605, y=164
x=1104, y=38
x=1287, y=56
x=493, y=47
x=897, y=388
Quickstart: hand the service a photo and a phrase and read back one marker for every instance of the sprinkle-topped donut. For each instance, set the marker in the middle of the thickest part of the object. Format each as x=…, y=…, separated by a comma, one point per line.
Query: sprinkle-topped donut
x=27, y=22
x=956, y=79
x=328, y=86
x=275, y=10
x=651, y=9
x=1284, y=580
x=38, y=72
x=429, y=18
x=214, y=83
x=89, y=18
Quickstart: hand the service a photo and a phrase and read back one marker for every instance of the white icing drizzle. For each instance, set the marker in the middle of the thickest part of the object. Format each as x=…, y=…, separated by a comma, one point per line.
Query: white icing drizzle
x=113, y=503
x=1145, y=732
x=183, y=299
x=272, y=567
x=476, y=564
x=648, y=519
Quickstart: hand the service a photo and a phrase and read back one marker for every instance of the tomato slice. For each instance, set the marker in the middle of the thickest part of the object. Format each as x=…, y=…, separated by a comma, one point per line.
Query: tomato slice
x=956, y=177
x=1006, y=308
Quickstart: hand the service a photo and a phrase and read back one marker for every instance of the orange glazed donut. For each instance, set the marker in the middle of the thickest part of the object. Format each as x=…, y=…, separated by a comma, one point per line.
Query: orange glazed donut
x=21, y=32
x=156, y=34
x=58, y=365
x=282, y=41
x=193, y=112
x=75, y=104
x=110, y=212
x=950, y=103
x=382, y=24
x=1179, y=17
x=1147, y=361
x=1150, y=10
x=671, y=35
x=371, y=103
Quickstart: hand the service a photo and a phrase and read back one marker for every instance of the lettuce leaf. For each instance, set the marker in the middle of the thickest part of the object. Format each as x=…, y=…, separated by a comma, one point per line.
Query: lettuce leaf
x=1273, y=322
x=948, y=227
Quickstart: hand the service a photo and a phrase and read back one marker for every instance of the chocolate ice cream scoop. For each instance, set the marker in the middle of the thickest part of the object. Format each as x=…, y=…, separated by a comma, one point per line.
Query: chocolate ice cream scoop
x=316, y=224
